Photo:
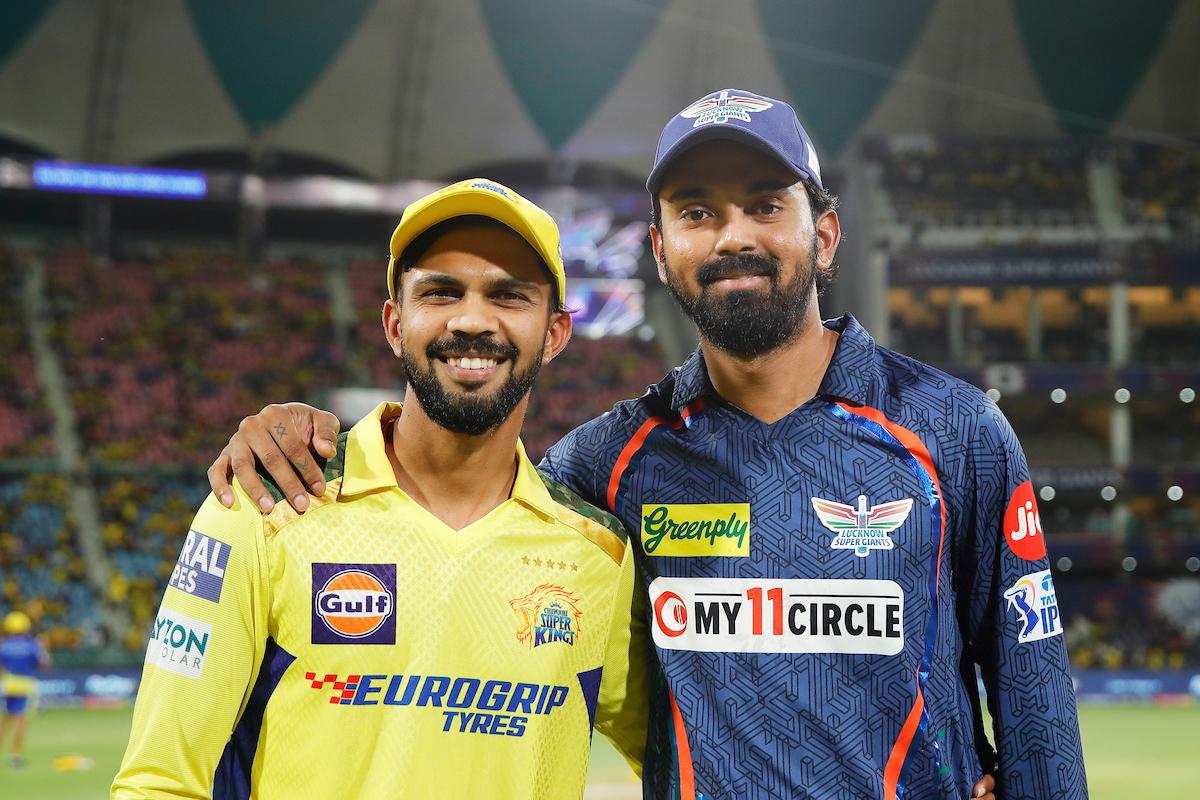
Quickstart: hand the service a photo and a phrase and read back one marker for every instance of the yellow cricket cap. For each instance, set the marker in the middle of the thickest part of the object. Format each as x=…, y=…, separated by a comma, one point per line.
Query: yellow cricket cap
x=485, y=198
x=16, y=623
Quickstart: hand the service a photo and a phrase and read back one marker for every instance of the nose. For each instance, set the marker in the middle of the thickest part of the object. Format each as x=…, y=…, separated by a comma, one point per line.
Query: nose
x=736, y=235
x=475, y=317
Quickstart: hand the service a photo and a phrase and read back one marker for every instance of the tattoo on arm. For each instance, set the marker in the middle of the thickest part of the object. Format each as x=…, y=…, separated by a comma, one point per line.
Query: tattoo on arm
x=280, y=430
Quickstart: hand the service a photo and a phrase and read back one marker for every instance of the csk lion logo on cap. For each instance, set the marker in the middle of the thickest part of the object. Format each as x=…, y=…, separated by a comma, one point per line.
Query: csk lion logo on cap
x=722, y=107
x=354, y=603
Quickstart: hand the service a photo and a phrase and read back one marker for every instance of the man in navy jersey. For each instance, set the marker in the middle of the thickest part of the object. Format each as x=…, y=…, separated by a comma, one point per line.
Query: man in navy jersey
x=832, y=536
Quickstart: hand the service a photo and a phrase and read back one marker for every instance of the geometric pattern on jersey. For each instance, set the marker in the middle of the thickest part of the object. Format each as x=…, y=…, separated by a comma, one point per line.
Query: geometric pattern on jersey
x=365, y=649
x=760, y=725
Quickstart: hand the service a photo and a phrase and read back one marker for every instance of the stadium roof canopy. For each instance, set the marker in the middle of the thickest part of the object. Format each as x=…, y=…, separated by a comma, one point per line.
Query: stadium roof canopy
x=391, y=89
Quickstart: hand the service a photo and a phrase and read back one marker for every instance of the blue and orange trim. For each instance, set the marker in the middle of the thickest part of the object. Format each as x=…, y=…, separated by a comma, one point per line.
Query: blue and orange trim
x=912, y=451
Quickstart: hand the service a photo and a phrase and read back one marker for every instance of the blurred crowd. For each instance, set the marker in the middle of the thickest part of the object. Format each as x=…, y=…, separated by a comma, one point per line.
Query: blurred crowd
x=947, y=182
x=164, y=354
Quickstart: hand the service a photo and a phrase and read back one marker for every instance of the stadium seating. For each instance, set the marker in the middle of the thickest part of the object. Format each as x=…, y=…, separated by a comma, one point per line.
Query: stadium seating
x=25, y=426
x=41, y=570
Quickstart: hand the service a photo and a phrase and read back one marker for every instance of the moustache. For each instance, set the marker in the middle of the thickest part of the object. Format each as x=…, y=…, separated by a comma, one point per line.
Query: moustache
x=463, y=347
x=737, y=266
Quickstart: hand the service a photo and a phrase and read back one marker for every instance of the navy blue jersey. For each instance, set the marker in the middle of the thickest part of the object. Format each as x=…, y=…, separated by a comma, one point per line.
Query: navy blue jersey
x=819, y=590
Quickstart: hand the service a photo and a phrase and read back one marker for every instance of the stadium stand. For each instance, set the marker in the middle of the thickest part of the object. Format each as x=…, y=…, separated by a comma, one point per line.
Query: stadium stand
x=25, y=426
x=40, y=562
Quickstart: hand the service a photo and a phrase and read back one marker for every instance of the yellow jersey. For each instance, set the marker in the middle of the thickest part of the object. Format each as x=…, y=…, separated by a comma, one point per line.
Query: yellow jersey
x=366, y=649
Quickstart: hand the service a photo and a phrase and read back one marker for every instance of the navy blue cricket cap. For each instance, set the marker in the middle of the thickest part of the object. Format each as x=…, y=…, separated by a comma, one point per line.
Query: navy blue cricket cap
x=763, y=123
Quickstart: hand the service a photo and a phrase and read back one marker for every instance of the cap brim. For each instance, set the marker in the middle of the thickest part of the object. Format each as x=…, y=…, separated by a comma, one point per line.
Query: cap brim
x=710, y=133
x=463, y=203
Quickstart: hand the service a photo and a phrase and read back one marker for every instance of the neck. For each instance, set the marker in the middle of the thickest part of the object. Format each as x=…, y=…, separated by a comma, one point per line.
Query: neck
x=772, y=385
x=457, y=478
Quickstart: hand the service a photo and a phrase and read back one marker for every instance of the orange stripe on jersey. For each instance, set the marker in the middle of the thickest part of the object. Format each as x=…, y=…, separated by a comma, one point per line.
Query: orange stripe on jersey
x=626, y=456
x=891, y=772
x=914, y=445
x=635, y=443
x=687, y=778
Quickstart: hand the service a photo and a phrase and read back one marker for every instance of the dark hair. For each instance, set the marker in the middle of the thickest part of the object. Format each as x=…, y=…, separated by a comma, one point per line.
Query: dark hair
x=419, y=246
x=819, y=200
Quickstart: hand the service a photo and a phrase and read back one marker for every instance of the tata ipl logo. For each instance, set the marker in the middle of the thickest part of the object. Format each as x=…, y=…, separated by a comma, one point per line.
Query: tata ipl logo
x=354, y=604
x=1033, y=599
x=862, y=529
x=696, y=529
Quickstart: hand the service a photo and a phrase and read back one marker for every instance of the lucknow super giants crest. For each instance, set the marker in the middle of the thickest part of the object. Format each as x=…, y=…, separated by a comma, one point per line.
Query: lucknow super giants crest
x=862, y=529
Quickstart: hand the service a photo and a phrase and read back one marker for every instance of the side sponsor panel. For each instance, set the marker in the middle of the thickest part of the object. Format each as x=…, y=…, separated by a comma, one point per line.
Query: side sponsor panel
x=200, y=569
x=178, y=643
x=720, y=615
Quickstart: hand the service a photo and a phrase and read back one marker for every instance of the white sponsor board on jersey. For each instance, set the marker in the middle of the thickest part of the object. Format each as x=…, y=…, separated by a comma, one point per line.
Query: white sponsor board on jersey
x=757, y=615
x=178, y=643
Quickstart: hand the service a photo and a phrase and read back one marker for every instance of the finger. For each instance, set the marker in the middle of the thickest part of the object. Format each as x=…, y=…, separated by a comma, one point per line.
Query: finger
x=277, y=464
x=292, y=440
x=218, y=479
x=327, y=427
x=241, y=458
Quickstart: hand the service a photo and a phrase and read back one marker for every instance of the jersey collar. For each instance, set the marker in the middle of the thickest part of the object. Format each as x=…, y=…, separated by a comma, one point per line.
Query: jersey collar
x=850, y=375
x=368, y=468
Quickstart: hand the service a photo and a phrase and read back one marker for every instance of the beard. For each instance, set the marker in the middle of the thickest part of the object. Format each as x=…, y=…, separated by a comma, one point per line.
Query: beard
x=472, y=413
x=747, y=323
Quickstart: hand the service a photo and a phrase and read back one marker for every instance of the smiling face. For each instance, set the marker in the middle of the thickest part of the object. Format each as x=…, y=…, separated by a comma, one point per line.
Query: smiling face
x=738, y=247
x=474, y=325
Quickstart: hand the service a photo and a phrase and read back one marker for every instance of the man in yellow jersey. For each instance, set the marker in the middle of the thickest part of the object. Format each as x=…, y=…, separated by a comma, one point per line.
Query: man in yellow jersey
x=444, y=621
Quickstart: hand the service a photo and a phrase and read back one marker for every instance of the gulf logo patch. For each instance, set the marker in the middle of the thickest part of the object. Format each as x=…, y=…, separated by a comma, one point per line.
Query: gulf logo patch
x=354, y=604
x=1023, y=524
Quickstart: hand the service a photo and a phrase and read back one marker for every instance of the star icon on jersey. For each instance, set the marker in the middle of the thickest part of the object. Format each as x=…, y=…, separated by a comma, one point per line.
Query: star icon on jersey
x=525, y=560
x=537, y=562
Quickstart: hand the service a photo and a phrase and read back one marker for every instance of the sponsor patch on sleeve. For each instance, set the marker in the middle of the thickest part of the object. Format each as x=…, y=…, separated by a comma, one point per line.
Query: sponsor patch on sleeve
x=696, y=529
x=178, y=643
x=720, y=615
x=1023, y=524
x=1035, y=605
x=200, y=569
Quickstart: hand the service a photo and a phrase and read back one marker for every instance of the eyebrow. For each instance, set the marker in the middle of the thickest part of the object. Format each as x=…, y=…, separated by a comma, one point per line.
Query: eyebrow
x=440, y=279
x=688, y=193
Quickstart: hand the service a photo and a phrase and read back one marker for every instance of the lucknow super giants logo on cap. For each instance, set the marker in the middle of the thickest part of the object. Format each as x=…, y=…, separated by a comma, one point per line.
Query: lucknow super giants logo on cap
x=723, y=107
x=354, y=603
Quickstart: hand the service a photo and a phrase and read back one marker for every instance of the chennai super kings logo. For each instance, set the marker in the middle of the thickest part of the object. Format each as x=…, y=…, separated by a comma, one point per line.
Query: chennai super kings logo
x=862, y=529
x=547, y=614
x=722, y=107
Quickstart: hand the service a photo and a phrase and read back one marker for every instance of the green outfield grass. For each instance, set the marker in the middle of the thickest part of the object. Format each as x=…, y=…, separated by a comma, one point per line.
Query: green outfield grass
x=1133, y=753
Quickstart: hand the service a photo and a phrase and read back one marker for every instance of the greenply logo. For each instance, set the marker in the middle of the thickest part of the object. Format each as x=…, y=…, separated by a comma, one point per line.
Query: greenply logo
x=696, y=529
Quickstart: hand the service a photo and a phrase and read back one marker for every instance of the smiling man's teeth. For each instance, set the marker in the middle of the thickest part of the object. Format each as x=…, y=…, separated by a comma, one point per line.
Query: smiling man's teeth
x=471, y=363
